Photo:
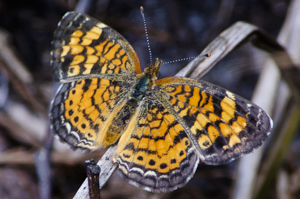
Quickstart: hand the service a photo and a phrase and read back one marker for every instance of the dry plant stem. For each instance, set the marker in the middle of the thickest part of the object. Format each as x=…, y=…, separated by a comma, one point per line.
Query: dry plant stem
x=288, y=36
x=8, y=57
x=34, y=124
x=16, y=157
x=287, y=129
x=19, y=76
x=18, y=115
x=17, y=132
x=22, y=81
x=20, y=157
x=289, y=71
x=234, y=36
x=227, y=41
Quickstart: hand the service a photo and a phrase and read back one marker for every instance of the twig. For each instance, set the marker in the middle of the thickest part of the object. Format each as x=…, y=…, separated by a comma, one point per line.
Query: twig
x=93, y=171
x=107, y=169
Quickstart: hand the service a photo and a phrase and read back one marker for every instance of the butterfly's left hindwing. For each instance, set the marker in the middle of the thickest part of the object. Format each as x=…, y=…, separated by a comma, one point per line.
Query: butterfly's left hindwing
x=155, y=152
x=223, y=125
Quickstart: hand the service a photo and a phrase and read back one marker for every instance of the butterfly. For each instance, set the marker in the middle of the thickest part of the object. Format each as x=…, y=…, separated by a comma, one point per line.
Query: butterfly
x=163, y=128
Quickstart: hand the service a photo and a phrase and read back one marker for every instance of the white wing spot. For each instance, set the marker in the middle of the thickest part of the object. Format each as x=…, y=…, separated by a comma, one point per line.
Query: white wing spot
x=68, y=126
x=75, y=135
x=150, y=173
x=62, y=119
x=230, y=94
x=123, y=168
x=101, y=25
x=138, y=170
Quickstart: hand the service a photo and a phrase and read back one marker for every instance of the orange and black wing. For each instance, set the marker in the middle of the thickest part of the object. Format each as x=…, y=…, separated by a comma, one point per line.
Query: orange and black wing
x=221, y=125
x=155, y=152
x=84, y=47
x=97, y=68
x=82, y=111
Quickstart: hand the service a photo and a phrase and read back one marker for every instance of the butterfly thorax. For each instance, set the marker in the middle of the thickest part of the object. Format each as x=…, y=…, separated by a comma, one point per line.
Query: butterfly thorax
x=146, y=80
x=153, y=69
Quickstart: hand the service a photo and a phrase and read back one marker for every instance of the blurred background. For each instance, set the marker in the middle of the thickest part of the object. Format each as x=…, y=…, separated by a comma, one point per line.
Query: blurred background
x=177, y=29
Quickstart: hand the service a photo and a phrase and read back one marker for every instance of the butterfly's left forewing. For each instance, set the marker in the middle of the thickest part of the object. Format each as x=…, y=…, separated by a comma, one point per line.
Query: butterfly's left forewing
x=222, y=125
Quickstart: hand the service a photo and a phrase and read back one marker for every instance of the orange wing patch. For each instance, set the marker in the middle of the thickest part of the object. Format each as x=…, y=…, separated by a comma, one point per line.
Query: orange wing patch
x=154, y=152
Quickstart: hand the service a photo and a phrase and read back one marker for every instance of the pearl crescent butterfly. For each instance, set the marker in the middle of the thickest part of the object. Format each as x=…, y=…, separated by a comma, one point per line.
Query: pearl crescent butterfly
x=163, y=128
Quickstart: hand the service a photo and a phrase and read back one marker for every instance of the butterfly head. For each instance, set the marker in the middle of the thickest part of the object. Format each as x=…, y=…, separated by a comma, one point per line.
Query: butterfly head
x=152, y=70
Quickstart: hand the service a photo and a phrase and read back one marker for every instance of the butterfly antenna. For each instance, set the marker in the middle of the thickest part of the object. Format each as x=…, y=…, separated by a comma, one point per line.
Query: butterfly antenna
x=146, y=32
x=184, y=59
